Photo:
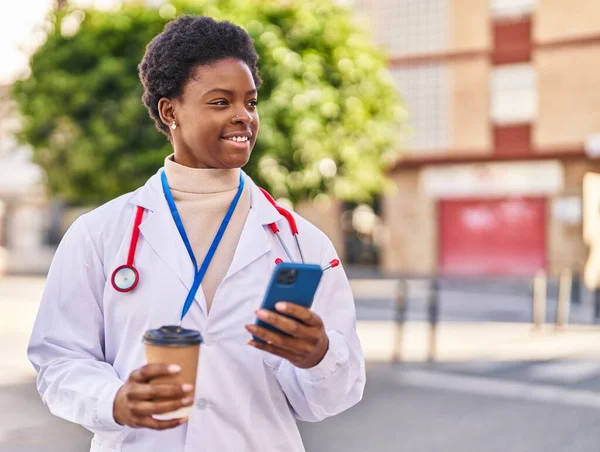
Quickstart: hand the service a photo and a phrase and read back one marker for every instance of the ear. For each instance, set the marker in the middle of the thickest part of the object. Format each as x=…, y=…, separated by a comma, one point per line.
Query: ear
x=166, y=110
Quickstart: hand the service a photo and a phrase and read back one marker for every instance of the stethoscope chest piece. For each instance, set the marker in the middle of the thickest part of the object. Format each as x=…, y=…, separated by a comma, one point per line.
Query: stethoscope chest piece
x=125, y=278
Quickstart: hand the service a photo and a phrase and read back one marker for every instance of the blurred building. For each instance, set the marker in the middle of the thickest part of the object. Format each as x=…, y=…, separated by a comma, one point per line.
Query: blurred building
x=503, y=96
x=27, y=218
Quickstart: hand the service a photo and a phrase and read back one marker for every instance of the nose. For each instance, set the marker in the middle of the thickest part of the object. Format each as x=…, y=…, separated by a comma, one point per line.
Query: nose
x=245, y=118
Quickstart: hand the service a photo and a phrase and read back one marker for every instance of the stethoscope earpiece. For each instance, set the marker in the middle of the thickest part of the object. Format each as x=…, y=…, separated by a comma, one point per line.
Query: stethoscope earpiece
x=332, y=263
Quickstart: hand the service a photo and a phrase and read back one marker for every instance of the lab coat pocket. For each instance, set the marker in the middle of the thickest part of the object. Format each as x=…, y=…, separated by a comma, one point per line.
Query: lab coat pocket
x=100, y=444
x=272, y=362
x=269, y=361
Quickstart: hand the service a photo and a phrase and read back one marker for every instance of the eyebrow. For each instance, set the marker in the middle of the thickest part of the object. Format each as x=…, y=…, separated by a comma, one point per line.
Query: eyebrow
x=227, y=91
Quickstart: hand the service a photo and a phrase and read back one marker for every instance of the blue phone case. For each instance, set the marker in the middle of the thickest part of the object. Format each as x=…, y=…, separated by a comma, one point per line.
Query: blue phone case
x=300, y=291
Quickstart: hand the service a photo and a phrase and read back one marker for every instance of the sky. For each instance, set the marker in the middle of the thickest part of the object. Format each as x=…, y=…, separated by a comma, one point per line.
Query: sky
x=18, y=21
x=18, y=36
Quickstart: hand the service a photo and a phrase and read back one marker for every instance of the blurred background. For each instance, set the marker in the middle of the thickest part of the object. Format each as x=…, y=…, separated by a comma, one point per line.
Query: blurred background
x=449, y=148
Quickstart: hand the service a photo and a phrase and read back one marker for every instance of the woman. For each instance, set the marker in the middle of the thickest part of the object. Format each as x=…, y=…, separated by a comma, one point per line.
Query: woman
x=200, y=83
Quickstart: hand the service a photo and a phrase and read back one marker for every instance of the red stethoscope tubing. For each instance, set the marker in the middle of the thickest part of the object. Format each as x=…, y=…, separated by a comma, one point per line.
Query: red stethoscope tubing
x=284, y=212
x=291, y=221
x=273, y=226
x=135, y=234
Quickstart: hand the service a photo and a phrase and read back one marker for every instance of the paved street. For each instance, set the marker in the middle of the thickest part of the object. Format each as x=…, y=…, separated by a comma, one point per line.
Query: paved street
x=418, y=408
x=477, y=406
x=497, y=386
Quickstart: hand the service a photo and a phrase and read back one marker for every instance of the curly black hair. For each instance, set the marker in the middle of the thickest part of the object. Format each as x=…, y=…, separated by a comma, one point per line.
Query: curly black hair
x=185, y=43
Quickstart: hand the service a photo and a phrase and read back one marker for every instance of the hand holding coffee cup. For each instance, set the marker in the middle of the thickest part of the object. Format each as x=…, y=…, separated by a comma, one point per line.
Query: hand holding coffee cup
x=174, y=345
x=160, y=394
x=138, y=399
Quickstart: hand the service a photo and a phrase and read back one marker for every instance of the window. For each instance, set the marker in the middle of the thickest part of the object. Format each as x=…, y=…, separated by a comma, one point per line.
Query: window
x=425, y=92
x=412, y=26
x=513, y=93
x=509, y=8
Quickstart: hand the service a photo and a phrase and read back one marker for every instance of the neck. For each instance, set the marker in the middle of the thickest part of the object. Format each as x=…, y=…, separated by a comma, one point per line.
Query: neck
x=200, y=180
x=187, y=159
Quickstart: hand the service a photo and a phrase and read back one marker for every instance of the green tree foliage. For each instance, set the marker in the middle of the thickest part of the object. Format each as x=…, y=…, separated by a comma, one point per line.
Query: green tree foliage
x=329, y=110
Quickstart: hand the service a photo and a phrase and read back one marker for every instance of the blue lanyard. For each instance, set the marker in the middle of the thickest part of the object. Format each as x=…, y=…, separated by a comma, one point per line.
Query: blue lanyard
x=199, y=273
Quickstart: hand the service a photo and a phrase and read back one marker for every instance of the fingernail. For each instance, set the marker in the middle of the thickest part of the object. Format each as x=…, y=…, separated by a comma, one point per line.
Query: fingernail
x=183, y=421
x=187, y=387
x=250, y=328
x=174, y=368
x=262, y=315
x=187, y=401
x=281, y=307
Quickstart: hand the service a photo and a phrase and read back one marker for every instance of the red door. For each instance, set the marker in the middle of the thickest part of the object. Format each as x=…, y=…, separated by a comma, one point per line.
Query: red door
x=492, y=237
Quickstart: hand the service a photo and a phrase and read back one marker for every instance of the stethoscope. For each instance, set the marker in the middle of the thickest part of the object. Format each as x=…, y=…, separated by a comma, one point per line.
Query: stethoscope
x=126, y=277
x=294, y=229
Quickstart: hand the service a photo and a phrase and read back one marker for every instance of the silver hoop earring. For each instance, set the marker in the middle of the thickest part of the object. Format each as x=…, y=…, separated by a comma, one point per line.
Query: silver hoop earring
x=173, y=125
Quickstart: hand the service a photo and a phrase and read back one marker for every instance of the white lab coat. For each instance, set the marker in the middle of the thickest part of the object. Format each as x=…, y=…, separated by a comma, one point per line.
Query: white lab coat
x=87, y=336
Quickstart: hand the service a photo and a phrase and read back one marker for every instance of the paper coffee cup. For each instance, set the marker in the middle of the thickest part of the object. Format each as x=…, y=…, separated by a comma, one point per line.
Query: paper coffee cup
x=174, y=345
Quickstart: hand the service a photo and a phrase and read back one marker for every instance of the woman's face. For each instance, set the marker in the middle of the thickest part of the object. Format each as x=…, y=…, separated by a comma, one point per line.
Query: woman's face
x=216, y=116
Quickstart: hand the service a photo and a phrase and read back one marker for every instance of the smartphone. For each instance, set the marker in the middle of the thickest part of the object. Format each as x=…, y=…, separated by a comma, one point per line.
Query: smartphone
x=292, y=282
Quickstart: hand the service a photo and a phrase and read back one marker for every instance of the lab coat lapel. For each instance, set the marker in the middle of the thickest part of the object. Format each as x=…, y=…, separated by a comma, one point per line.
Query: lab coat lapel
x=160, y=232
x=255, y=240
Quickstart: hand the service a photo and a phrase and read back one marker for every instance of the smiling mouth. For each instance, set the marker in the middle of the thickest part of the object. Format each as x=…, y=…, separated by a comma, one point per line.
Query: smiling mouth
x=237, y=143
x=237, y=139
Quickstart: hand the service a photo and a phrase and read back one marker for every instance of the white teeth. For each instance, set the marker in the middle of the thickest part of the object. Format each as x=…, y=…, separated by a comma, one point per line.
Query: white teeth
x=238, y=139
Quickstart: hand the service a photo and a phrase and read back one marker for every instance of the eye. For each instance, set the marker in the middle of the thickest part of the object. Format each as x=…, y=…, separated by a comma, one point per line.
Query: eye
x=219, y=102
x=253, y=103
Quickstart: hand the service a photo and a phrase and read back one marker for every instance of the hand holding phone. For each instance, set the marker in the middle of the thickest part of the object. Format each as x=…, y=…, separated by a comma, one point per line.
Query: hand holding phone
x=286, y=326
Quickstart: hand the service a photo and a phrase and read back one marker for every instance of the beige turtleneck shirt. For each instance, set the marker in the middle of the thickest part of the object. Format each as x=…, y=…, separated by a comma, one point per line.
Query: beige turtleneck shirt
x=202, y=197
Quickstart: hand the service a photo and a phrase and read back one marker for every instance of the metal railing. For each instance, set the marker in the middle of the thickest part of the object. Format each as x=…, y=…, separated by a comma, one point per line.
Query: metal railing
x=569, y=292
